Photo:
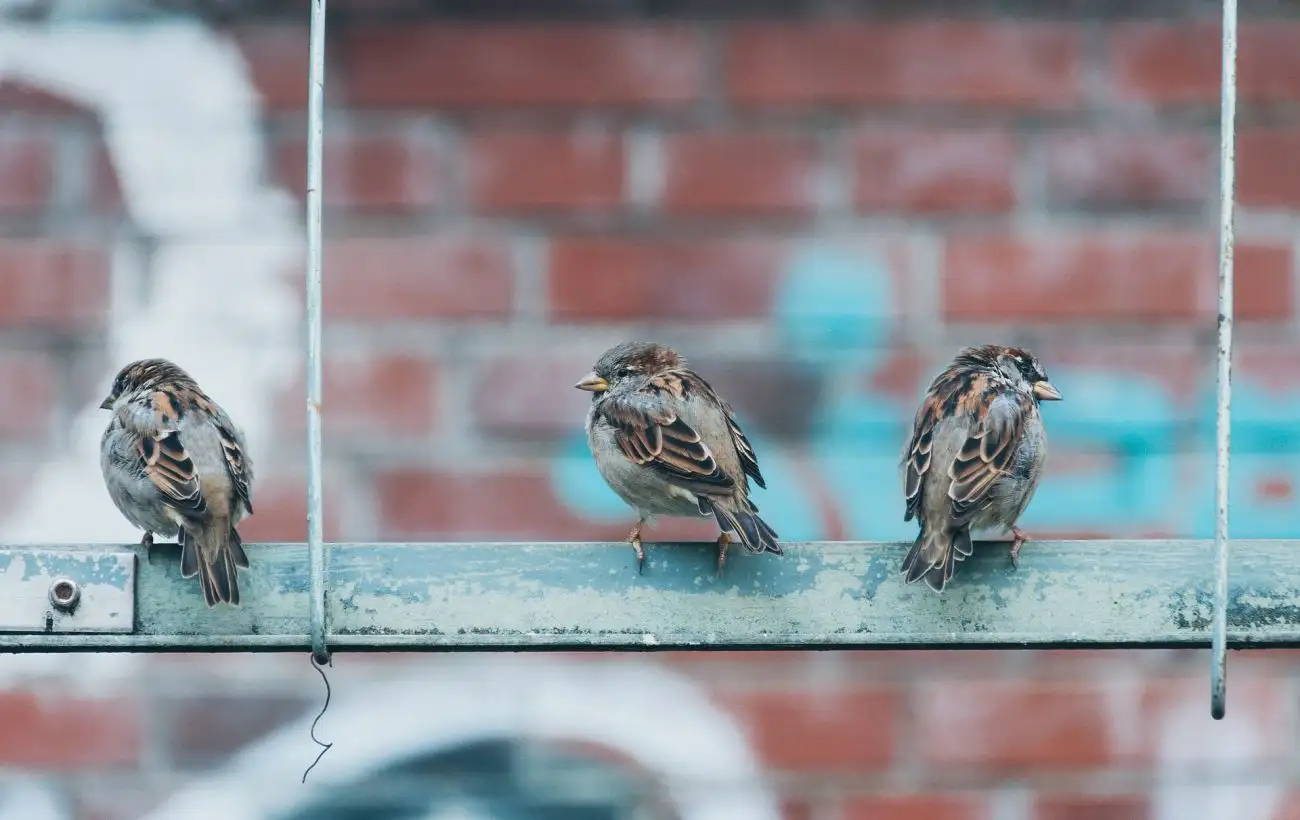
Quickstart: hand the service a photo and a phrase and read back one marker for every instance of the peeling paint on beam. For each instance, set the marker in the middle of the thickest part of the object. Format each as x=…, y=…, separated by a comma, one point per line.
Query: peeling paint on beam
x=827, y=595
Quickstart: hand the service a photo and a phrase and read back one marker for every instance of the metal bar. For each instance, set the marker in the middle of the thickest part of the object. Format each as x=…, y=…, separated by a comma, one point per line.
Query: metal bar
x=580, y=596
x=315, y=179
x=1223, y=417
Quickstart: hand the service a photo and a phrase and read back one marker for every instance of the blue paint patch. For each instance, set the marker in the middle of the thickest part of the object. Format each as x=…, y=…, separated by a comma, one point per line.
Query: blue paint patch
x=1140, y=491
x=580, y=486
x=1122, y=413
x=1263, y=421
x=831, y=303
x=1250, y=514
x=858, y=449
x=787, y=504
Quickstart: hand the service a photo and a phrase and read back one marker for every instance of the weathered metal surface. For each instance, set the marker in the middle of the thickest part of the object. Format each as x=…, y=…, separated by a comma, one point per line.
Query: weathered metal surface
x=819, y=595
x=64, y=591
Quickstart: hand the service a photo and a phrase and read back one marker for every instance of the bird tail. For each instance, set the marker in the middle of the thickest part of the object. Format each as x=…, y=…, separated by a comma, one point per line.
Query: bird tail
x=934, y=556
x=753, y=532
x=214, y=553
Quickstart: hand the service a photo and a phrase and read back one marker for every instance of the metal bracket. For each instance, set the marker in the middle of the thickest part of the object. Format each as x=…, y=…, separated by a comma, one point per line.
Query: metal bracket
x=49, y=590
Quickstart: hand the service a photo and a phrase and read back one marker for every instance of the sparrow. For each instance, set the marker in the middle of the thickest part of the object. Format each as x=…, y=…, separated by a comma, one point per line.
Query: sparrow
x=669, y=445
x=174, y=463
x=975, y=456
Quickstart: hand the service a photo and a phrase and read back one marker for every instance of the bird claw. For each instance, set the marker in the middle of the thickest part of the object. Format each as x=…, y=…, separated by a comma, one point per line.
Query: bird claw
x=723, y=541
x=1017, y=541
x=147, y=543
x=634, y=538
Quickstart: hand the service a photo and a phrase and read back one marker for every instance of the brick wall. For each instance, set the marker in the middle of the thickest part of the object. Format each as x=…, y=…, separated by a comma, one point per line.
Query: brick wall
x=818, y=207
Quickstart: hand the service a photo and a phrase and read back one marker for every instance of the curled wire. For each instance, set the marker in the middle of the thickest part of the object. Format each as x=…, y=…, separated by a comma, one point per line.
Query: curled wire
x=325, y=747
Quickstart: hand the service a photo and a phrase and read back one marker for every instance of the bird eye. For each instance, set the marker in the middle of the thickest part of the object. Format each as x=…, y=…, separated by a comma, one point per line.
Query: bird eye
x=624, y=372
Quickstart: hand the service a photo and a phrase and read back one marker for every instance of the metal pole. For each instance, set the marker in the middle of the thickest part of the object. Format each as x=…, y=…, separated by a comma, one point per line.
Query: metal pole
x=315, y=174
x=1223, y=418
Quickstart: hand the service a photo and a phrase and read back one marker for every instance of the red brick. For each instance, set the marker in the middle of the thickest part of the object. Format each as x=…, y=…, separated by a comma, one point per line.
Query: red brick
x=609, y=279
x=51, y=283
x=1267, y=173
x=1115, y=168
x=280, y=502
x=530, y=397
x=1148, y=277
x=1264, y=286
x=66, y=733
x=497, y=505
x=1174, y=726
x=581, y=169
x=372, y=171
x=18, y=96
x=393, y=279
x=798, y=808
x=388, y=395
x=26, y=170
x=755, y=173
x=916, y=807
x=1290, y=808
x=816, y=731
x=277, y=58
x=1269, y=366
x=27, y=403
x=1086, y=807
x=1014, y=64
x=1179, y=63
x=934, y=171
x=205, y=731
x=105, y=186
x=502, y=65
x=1009, y=725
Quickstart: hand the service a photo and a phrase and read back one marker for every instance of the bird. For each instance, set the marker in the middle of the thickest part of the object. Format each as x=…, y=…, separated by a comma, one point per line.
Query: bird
x=175, y=464
x=668, y=444
x=975, y=456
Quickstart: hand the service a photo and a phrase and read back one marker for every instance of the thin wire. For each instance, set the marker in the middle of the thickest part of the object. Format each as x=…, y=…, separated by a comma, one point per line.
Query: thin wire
x=324, y=747
x=1223, y=417
x=315, y=178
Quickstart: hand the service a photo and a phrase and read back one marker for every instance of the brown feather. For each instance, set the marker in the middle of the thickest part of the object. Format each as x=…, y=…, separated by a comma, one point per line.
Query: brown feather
x=651, y=433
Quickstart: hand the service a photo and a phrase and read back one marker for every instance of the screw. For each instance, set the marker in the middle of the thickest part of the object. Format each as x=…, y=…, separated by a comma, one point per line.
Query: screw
x=65, y=594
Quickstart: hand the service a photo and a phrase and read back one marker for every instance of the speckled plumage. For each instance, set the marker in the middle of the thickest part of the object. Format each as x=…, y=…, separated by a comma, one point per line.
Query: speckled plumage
x=175, y=464
x=669, y=445
x=975, y=456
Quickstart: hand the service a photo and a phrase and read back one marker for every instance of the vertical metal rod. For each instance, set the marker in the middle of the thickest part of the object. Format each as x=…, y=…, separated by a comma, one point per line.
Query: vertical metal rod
x=1223, y=417
x=315, y=175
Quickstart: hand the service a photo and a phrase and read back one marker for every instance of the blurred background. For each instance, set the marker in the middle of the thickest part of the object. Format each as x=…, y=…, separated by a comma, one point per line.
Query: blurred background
x=817, y=201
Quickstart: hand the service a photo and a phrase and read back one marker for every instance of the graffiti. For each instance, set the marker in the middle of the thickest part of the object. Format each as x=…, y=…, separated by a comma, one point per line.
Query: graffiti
x=238, y=230
x=473, y=744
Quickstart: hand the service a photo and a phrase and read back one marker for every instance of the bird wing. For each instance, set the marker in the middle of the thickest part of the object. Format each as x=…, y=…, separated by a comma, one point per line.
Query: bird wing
x=162, y=456
x=649, y=430
x=998, y=419
x=232, y=448
x=744, y=450
x=987, y=454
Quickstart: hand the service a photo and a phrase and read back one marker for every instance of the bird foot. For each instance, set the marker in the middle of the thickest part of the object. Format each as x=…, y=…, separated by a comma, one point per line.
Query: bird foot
x=634, y=538
x=723, y=541
x=1017, y=541
x=147, y=543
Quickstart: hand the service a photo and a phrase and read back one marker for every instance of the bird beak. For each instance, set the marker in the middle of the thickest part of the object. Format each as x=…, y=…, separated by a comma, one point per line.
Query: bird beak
x=1046, y=391
x=593, y=383
x=106, y=404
